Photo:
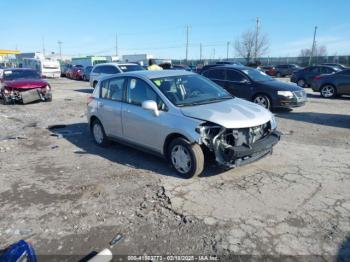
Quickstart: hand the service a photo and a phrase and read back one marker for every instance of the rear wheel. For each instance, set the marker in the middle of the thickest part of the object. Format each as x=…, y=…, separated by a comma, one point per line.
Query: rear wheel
x=94, y=84
x=328, y=91
x=98, y=133
x=186, y=158
x=262, y=100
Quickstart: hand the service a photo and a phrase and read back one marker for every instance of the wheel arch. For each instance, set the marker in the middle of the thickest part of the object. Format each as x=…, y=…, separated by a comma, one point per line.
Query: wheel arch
x=168, y=140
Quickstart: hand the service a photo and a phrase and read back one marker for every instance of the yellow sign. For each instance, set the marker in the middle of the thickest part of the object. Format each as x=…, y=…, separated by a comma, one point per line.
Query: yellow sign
x=9, y=52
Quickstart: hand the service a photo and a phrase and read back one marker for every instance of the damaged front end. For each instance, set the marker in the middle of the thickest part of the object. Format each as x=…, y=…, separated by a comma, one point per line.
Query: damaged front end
x=235, y=147
x=25, y=96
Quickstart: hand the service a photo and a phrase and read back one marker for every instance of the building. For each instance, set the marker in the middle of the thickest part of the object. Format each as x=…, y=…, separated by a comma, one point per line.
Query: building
x=137, y=58
x=89, y=60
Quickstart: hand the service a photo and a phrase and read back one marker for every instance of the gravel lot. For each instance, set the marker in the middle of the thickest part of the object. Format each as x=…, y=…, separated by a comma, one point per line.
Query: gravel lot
x=69, y=196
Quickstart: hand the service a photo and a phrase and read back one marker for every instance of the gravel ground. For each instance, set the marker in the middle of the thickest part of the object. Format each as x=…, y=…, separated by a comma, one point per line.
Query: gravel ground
x=70, y=197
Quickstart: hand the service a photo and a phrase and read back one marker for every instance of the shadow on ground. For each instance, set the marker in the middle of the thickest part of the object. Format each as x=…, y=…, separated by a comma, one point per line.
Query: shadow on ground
x=84, y=90
x=79, y=135
x=334, y=120
x=337, y=98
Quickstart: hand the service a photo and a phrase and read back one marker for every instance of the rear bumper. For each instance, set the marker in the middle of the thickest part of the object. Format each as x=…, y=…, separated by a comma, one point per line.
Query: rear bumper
x=240, y=155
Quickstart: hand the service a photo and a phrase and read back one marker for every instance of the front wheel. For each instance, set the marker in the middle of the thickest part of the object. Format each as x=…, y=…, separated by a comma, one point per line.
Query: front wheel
x=98, y=133
x=186, y=158
x=262, y=100
x=328, y=91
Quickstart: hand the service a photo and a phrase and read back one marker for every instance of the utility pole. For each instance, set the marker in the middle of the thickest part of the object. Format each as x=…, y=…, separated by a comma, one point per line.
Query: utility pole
x=313, y=46
x=227, y=49
x=187, y=33
x=214, y=54
x=256, y=39
x=43, y=43
x=60, y=48
x=116, y=44
x=200, y=52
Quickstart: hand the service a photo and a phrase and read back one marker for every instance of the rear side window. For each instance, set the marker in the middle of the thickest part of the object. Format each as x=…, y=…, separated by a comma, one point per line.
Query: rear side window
x=326, y=70
x=315, y=70
x=218, y=74
x=234, y=76
x=97, y=70
x=109, y=70
x=112, y=89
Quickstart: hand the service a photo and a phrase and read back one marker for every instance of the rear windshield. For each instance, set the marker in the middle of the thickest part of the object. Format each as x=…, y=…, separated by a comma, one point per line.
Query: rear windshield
x=20, y=74
x=129, y=68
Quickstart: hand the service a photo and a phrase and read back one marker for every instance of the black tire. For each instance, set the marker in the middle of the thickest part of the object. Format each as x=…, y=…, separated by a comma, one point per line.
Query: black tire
x=94, y=84
x=49, y=99
x=103, y=141
x=195, y=154
x=328, y=91
x=260, y=98
x=301, y=82
x=278, y=75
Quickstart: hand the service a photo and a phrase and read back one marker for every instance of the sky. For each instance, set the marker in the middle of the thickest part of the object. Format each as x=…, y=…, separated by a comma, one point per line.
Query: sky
x=89, y=27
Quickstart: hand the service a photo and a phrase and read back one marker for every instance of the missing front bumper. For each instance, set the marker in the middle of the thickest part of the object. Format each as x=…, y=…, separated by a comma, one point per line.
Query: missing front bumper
x=234, y=156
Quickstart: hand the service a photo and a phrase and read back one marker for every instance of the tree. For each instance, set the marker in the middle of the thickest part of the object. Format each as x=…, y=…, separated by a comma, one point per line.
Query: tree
x=252, y=45
x=318, y=52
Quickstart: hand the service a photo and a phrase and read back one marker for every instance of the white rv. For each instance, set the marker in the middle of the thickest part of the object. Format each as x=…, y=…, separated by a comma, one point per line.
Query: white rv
x=45, y=67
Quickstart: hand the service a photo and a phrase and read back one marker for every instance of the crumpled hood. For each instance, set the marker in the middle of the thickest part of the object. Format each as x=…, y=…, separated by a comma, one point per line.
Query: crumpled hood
x=279, y=85
x=26, y=83
x=233, y=113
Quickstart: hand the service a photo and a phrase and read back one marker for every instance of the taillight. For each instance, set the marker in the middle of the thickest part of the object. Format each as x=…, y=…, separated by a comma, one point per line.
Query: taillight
x=317, y=77
x=89, y=100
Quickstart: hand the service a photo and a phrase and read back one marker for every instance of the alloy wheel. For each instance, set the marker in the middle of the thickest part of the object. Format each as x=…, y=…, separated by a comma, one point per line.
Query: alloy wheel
x=262, y=101
x=328, y=91
x=98, y=133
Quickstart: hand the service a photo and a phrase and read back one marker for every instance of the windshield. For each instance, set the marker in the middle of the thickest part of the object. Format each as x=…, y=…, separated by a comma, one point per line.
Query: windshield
x=190, y=90
x=129, y=68
x=257, y=75
x=20, y=74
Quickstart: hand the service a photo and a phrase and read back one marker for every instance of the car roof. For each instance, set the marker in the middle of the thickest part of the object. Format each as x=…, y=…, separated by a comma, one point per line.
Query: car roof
x=151, y=74
x=115, y=64
x=239, y=67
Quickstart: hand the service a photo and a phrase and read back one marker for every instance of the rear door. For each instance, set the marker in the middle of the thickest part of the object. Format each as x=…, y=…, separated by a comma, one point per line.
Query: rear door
x=311, y=73
x=110, y=105
x=238, y=84
x=217, y=75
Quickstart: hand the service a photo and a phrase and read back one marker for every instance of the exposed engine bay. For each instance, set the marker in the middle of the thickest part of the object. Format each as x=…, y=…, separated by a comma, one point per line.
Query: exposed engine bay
x=235, y=147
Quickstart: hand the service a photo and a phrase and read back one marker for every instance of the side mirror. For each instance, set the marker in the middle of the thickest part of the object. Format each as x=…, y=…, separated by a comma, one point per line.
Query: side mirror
x=245, y=81
x=151, y=105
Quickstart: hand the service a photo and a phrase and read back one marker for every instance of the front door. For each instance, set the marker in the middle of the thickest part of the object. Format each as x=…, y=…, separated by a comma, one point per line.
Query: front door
x=238, y=84
x=141, y=126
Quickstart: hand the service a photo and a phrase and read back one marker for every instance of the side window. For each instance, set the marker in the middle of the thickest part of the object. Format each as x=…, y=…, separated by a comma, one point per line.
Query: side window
x=139, y=91
x=234, y=76
x=326, y=70
x=97, y=70
x=315, y=70
x=110, y=70
x=218, y=74
x=112, y=89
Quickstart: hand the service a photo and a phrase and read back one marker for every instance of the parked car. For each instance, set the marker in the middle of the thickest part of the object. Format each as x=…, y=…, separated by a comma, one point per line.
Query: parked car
x=71, y=71
x=286, y=70
x=77, y=73
x=269, y=70
x=340, y=66
x=304, y=77
x=101, y=70
x=176, y=114
x=23, y=85
x=87, y=71
x=64, y=69
x=181, y=67
x=331, y=85
x=253, y=85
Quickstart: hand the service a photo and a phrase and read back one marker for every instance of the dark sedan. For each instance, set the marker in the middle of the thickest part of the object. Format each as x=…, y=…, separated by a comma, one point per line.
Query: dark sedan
x=304, y=77
x=254, y=85
x=332, y=85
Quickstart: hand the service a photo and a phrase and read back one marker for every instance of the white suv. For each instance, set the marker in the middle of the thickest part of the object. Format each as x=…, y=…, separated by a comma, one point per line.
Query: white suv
x=179, y=115
x=101, y=70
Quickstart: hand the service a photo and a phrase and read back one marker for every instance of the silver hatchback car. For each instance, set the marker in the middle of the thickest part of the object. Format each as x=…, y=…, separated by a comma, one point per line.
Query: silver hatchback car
x=179, y=115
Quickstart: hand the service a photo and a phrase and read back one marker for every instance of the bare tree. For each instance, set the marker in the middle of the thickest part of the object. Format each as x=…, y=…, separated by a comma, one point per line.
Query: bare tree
x=318, y=52
x=249, y=43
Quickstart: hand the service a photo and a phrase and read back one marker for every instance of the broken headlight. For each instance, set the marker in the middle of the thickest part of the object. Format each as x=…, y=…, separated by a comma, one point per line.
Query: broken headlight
x=273, y=122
